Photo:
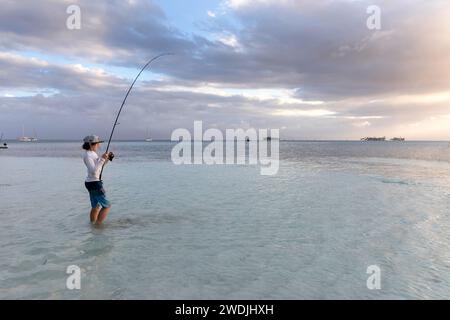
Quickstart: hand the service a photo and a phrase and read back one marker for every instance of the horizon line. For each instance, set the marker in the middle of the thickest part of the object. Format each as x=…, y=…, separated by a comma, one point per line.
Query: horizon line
x=169, y=140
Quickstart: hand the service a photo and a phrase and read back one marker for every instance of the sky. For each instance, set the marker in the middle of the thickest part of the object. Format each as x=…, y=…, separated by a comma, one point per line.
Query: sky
x=311, y=68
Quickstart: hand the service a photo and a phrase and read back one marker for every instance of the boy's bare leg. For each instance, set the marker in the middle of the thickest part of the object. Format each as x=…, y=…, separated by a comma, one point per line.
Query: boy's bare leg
x=94, y=214
x=102, y=215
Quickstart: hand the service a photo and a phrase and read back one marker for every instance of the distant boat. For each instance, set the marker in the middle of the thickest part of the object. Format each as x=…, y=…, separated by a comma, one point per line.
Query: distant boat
x=373, y=139
x=398, y=139
x=4, y=145
x=24, y=138
x=148, y=139
x=27, y=139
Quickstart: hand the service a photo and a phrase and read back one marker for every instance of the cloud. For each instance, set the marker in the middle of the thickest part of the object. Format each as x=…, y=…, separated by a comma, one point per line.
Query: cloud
x=310, y=66
x=20, y=72
x=362, y=124
x=303, y=113
x=229, y=40
x=323, y=48
x=113, y=31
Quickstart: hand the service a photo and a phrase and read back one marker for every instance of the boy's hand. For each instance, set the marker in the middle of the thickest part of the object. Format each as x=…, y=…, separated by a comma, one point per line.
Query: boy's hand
x=105, y=156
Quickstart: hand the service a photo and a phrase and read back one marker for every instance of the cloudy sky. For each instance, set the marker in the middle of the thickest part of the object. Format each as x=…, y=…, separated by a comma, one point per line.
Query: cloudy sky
x=311, y=68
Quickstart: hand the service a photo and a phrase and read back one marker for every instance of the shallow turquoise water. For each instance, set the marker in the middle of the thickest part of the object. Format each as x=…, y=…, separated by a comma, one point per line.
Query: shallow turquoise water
x=226, y=232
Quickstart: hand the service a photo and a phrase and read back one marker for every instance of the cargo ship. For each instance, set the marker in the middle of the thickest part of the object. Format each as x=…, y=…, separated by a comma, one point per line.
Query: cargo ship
x=373, y=139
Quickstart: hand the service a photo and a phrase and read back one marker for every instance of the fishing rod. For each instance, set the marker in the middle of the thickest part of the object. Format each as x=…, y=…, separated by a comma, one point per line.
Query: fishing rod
x=123, y=103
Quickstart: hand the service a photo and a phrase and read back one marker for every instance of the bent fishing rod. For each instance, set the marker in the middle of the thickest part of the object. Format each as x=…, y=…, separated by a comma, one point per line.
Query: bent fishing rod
x=125, y=99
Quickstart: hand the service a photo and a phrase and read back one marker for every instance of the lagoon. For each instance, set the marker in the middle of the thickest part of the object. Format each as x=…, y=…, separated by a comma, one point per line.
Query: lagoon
x=227, y=232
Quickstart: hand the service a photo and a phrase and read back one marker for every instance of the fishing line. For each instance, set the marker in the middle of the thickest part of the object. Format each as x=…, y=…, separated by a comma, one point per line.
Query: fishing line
x=125, y=99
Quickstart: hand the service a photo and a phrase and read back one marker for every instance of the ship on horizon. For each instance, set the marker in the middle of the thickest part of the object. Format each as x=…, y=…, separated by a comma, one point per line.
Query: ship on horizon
x=373, y=139
x=24, y=138
x=148, y=139
x=4, y=145
x=382, y=139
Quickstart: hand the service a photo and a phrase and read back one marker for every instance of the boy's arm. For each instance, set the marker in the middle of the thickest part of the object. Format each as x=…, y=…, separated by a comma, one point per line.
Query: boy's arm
x=93, y=166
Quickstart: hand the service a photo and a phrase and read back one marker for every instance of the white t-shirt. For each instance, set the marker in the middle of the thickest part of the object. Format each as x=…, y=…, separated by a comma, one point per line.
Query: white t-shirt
x=94, y=165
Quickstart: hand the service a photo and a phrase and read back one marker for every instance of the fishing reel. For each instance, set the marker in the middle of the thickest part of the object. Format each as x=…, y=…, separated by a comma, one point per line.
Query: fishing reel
x=111, y=156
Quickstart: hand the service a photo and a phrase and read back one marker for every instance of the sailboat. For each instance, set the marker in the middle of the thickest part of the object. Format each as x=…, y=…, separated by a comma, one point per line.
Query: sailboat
x=4, y=145
x=24, y=138
x=148, y=139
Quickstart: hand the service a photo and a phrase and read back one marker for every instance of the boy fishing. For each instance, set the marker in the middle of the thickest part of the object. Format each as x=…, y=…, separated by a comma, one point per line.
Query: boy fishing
x=94, y=164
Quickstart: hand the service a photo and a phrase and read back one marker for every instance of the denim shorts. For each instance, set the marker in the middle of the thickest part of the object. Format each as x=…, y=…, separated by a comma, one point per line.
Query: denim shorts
x=97, y=194
x=98, y=198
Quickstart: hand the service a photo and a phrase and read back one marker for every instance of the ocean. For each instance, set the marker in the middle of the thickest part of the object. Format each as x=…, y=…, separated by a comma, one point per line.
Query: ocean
x=312, y=231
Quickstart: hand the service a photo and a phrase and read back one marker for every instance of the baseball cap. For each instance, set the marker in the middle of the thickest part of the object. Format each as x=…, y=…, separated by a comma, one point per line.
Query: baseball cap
x=92, y=139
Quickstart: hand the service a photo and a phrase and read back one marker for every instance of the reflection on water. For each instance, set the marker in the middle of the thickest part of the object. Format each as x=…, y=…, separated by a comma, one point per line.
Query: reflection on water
x=187, y=232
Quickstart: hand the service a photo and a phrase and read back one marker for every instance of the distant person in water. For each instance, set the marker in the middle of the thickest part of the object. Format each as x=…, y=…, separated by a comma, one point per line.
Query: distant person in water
x=100, y=205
